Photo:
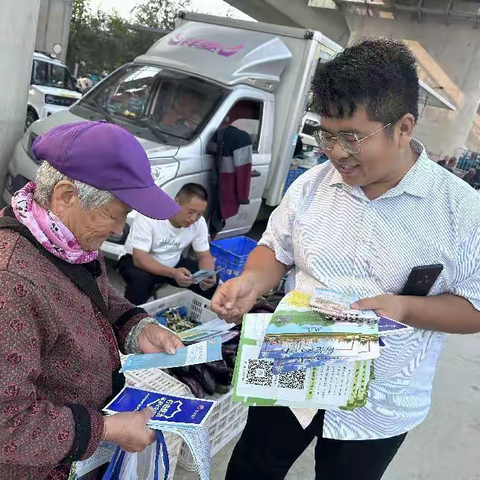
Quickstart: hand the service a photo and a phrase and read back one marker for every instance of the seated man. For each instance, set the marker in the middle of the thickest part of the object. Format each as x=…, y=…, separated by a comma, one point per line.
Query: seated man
x=155, y=249
x=185, y=113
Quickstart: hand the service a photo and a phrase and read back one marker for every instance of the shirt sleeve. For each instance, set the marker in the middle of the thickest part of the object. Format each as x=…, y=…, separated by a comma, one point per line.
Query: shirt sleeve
x=200, y=242
x=141, y=236
x=278, y=235
x=466, y=283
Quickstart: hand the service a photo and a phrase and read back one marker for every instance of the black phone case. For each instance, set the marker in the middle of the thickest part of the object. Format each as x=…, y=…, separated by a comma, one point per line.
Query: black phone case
x=421, y=280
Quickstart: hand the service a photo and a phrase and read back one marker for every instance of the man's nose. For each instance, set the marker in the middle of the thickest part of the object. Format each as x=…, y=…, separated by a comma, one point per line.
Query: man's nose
x=338, y=152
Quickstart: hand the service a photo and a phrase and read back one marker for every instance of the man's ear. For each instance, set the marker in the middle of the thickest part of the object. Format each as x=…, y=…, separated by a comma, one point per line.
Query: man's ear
x=407, y=124
x=405, y=128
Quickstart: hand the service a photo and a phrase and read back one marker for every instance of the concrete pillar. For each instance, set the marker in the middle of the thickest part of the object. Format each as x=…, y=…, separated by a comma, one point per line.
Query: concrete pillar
x=18, y=26
x=449, y=61
x=54, y=26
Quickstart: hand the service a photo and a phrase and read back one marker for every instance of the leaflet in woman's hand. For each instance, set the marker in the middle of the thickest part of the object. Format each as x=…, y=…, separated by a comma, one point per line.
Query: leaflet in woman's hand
x=169, y=410
x=202, y=352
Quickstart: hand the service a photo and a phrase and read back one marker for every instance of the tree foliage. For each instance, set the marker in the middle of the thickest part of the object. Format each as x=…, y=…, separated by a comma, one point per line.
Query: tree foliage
x=100, y=42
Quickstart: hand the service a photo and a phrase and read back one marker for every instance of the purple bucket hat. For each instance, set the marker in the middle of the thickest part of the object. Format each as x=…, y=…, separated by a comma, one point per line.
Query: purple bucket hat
x=107, y=157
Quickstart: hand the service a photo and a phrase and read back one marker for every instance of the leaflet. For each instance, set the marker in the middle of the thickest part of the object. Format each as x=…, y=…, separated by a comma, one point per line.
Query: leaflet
x=102, y=455
x=205, y=331
x=204, y=274
x=369, y=350
x=169, y=410
x=198, y=441
x=388, y=326
x=295, y=316
x=255, y=383
x=338, y=305
x=206, y=351
x=309, y=346
x=283, y=365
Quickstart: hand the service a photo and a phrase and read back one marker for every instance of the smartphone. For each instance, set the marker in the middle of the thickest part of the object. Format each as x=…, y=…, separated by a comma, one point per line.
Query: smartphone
x=421, y=280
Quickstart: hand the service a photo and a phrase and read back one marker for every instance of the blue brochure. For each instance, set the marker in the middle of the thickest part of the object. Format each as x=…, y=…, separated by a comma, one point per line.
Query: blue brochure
x=388, y=326
x=169, y=410
x=206, y=351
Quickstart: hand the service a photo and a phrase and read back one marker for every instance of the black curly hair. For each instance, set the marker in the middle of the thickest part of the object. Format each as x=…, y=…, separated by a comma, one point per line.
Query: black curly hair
x=379, y=74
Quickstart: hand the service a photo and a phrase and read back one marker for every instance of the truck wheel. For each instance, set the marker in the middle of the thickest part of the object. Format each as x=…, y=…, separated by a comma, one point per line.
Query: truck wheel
x=31, y=117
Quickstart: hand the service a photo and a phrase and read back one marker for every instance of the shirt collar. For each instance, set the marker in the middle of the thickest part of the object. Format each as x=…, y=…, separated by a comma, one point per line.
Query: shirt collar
x=416, y=181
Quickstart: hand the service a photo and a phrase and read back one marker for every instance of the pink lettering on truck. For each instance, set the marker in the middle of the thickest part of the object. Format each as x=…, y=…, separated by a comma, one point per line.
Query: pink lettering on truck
x=203, y=44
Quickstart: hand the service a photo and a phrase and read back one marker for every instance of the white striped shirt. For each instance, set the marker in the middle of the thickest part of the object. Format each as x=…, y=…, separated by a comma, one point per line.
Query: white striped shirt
x=335, y=236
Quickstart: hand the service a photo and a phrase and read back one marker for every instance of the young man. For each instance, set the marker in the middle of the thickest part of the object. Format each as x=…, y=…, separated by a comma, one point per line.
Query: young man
x=359, y=223
x=155, y=249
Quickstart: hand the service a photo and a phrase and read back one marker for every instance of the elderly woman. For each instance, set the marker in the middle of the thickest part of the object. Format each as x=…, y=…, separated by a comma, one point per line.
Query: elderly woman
x=62, y=323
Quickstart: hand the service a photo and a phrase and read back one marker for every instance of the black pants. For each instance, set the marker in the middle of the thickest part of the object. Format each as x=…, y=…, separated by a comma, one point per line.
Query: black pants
x=273, y=439
x=140, y=284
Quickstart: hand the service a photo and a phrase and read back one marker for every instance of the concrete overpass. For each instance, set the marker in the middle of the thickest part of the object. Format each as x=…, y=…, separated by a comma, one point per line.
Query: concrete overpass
x=444, y=34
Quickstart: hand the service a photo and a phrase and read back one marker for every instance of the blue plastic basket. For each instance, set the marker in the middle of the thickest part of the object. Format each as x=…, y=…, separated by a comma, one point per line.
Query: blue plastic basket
x=232, y=253
x=293, y=174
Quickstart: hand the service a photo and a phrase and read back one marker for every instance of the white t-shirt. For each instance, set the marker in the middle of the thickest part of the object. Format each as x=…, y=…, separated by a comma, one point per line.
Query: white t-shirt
x=163, y=241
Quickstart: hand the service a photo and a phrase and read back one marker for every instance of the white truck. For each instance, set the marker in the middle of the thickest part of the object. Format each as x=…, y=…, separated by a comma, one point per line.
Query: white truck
x=52, y=88
x=177, y=95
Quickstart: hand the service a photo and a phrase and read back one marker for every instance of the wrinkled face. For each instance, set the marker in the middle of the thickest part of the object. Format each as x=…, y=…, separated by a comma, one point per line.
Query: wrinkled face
x=377, y=160
x=192, y=210
x=90, y=228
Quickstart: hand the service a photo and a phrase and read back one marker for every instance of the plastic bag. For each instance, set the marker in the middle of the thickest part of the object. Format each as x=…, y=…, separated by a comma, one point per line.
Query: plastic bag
x=146, y=465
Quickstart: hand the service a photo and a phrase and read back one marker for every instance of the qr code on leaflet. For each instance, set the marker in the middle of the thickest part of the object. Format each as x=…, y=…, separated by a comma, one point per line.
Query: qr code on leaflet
x=295, y=380
x=259, y=372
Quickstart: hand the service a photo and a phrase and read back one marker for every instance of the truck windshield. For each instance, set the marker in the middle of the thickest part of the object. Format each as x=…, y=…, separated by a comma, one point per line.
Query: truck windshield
x=172, y=106
x=51, y=75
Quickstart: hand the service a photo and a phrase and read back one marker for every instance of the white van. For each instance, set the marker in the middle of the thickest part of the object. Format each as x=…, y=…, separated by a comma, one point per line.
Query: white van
x=176, y=96
x=52, y=88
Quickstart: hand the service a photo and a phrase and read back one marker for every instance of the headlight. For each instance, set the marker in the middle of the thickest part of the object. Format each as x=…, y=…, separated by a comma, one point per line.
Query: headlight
x=61, y=101
x=31, y=139
x=163, y=173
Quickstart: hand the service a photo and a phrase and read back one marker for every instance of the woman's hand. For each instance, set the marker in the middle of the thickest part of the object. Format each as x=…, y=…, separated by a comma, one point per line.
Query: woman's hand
x=156, y=339
x=235, y=298
x=129, y=430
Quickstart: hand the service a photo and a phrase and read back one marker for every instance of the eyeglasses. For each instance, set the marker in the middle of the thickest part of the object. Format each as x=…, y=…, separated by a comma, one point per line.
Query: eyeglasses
x=348, y=141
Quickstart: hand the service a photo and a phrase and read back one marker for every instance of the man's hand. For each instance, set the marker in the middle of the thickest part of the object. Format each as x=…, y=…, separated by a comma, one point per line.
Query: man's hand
x=155, y=339
x=391, y=306
x=234, y=298
x=129, y=430
x=183, y=277
x=208, y=283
